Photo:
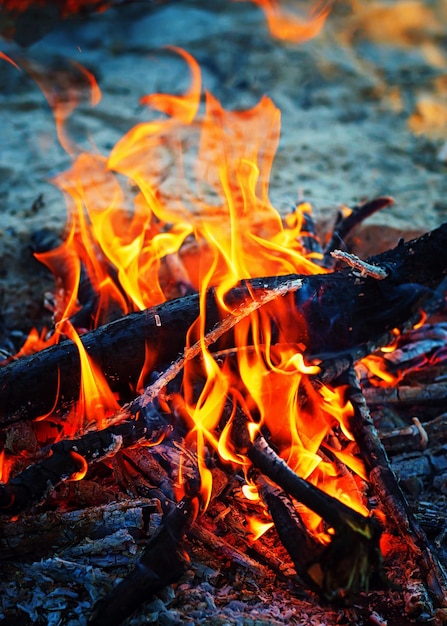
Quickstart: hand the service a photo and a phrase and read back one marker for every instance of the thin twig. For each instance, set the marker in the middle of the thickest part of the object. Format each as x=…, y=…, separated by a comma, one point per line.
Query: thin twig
x=365, y=269
x=344, y=225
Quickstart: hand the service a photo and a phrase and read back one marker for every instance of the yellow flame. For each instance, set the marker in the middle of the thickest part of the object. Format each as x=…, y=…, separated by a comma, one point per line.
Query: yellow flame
x=96, y=400
x=221, y=163
x=258, y=527
x=250, y=492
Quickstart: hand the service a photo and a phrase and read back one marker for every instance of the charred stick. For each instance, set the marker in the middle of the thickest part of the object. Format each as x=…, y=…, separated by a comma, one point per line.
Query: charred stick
x=220, y=546
x=387, y=489
x=406, y=355
x=301, y=547
x=159, y=565
x=336, y=514
x=364, y=268
x=344, y=225
x=67, y=460
x=330, y=314
x=142, y=467
x=309, y=237
x=415, y=436
x=437, y=428
x=411, y=437
x=308, y=233
x=374, y=456
x=333, y=367
x=420, y=394
x=353, y=557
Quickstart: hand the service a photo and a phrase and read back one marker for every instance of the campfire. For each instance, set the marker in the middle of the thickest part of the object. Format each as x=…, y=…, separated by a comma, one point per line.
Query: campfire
x=210, y=407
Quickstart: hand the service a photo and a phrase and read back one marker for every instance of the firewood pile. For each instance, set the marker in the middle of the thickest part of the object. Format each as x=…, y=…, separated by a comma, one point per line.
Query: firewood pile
x=111, y=524
x=233, y=417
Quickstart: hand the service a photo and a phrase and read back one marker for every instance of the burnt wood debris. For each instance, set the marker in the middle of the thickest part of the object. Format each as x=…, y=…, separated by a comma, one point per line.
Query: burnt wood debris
x=341, y=311
x=340, y=317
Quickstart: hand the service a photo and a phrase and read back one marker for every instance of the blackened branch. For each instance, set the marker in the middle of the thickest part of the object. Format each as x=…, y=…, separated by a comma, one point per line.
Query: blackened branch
x=160, y=564
x=387, y=489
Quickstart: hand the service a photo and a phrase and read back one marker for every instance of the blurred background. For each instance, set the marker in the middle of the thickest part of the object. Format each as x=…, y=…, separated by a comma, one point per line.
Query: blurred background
x=363, y=106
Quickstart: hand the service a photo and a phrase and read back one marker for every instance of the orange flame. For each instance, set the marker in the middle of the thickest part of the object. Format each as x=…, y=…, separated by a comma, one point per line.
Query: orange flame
x=215, y=200
x=183, y=108
x=286, y=24
x=6, y=465
x=258, y=527
x=9, y=60
x=96, y=399
x=79, y=475
x=378, y=366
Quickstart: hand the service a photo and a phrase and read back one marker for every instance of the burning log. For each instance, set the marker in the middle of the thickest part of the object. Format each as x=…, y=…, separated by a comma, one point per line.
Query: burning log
x=330, y=314
x=327, y=329
x=67, y=459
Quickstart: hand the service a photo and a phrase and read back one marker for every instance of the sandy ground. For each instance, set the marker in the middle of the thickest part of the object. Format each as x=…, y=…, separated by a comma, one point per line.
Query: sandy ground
x=363, y=105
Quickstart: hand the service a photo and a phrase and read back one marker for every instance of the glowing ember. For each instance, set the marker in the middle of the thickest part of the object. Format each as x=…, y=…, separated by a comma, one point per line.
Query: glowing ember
x=5, y=467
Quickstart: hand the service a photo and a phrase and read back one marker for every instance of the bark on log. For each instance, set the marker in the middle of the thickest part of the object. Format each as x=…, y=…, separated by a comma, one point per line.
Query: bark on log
x=330, y=314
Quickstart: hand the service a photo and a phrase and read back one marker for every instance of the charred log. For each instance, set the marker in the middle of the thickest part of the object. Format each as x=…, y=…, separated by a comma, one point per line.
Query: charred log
x=415, y=436
x=301, y=547
x=352, y=560
x=420, y=394
x=330, y=314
